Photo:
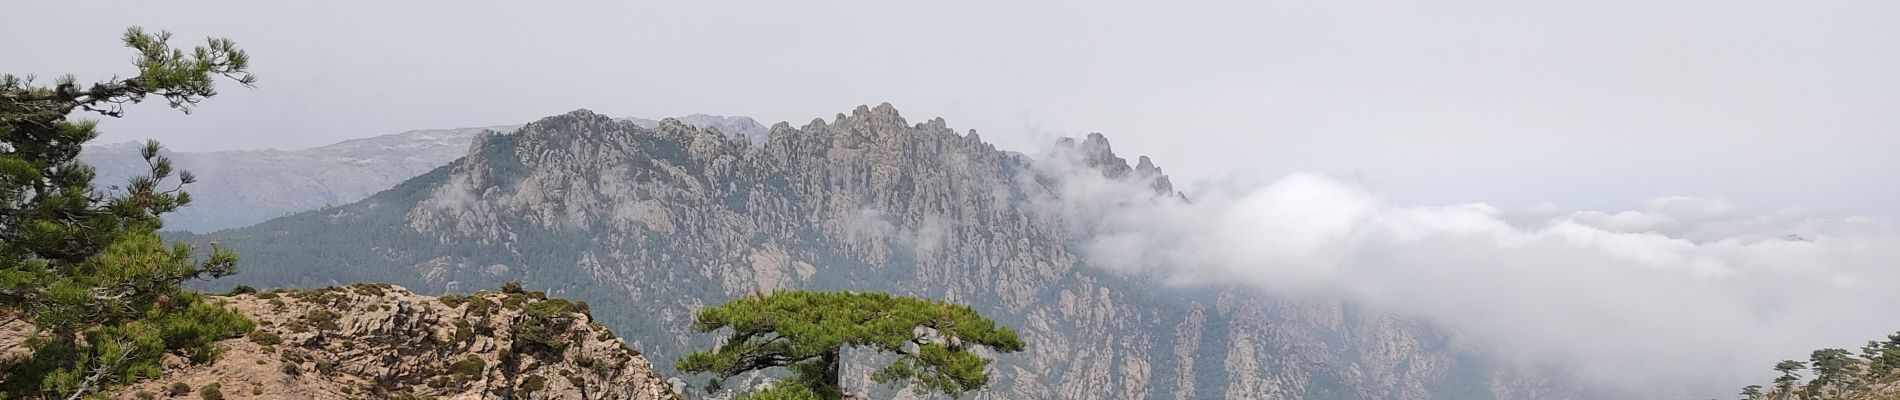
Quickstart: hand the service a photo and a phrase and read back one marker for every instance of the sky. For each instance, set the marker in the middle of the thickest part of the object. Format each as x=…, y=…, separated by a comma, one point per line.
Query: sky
x=1661, y=151
x=1572, y=103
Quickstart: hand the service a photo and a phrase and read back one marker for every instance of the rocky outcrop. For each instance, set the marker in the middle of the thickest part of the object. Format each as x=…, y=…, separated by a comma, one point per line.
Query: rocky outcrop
x=652, y=224
x=381, y=341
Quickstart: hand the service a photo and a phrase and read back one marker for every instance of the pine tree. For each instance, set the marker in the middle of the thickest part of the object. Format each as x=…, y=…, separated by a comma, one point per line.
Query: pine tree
x=1833, y=368
x=1789, y=375
x=1883, y=357
x=806, y=331
x=86, y=266
x=1751, y=392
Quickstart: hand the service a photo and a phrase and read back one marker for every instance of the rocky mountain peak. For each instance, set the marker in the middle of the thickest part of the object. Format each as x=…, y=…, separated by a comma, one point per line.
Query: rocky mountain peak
x=580, y=113
x=579, y=123
x=482, y=140
x=1095, y=152
x=883, y=109
x=869, y=125
x=1146, y=166
x=586, y=126
x=1146, y=169
x=733, y=127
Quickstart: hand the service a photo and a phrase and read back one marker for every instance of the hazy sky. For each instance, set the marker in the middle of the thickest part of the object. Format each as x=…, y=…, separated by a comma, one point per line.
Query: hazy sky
x=1585, y=104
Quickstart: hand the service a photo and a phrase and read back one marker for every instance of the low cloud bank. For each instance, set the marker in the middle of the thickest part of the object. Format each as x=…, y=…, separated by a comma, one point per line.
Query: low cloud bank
x=1682, y=293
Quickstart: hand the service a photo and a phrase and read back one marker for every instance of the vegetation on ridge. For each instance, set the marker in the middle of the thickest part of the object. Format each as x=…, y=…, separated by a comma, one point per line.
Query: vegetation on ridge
x=805, y=331
x=1838, y=374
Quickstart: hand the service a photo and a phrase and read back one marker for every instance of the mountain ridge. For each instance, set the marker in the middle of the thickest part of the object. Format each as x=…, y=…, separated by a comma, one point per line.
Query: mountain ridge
x=669, y=219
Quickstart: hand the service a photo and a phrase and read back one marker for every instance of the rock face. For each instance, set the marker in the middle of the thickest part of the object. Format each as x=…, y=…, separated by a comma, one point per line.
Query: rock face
x=650, y=225
x=381, y=341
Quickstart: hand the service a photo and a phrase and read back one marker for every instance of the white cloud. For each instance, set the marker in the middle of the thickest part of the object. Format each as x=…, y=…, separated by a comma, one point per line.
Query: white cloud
x=1684, y=293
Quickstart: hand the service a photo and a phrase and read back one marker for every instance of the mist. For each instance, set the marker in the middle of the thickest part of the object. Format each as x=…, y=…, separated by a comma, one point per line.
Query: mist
x=1678, y=295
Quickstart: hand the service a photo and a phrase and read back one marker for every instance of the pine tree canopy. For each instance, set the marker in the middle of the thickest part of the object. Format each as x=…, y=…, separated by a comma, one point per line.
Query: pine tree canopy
x=86, y=266
x=805, y=332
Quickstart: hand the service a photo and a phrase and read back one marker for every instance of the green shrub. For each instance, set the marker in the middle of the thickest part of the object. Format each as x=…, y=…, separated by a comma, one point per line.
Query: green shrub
x=471, y=366
x=241, y=289
x=211, y=392
x=463, y=332
x=369, y=289
x=180, y=389
x=479, y=306
x=514, y=302
x=329, y=296
x=199, y=327
x=536, y=334
x=326, y=367
x=266, y=338
x=453, y=301
x=556, y=308
x=323, y=319
x=783, y=391
x=534, y=383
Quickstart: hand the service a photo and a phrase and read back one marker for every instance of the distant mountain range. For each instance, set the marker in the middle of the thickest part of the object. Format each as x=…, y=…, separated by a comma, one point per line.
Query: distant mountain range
x=242, y=187
x=648, y=223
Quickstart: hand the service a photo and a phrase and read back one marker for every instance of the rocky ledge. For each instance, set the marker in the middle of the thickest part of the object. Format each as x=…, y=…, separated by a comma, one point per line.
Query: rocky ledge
x=384, y=342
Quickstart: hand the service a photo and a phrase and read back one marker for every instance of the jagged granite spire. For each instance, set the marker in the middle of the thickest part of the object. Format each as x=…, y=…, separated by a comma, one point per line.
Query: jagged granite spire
x=1095, y=152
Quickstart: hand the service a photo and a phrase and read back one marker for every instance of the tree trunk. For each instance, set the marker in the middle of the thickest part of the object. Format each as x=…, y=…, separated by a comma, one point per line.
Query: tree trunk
x=832, y=379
